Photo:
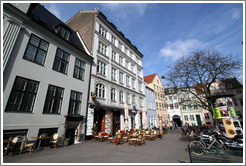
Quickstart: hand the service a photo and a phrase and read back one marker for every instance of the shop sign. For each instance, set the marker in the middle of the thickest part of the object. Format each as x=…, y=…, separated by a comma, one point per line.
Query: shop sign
x=233, y=112
x=217, y=113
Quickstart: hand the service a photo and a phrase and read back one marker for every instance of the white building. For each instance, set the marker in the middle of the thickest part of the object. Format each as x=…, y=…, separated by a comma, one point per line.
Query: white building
x=117, y=74
x=173, y=107
x=46, y=74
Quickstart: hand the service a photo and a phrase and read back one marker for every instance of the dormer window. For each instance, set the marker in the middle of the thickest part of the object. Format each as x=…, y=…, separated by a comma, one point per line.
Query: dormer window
x=63, y=32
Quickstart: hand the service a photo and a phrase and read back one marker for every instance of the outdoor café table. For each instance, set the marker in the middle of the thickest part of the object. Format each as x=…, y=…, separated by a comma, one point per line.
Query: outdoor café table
x=39, y=139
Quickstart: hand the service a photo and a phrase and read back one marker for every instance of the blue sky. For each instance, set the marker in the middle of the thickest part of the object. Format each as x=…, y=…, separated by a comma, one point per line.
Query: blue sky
x=165, y=31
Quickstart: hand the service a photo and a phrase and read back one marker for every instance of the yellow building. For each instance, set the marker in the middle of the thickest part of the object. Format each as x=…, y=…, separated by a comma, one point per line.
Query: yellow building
x=154, y=82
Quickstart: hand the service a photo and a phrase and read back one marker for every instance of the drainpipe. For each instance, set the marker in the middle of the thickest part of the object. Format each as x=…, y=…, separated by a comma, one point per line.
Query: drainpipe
x=88, y=96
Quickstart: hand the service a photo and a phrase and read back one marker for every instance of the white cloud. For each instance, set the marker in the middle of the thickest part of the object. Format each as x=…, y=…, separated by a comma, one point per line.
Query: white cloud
x=181, y=47
x=123, y=10
x=235, y=13
x=54, y=10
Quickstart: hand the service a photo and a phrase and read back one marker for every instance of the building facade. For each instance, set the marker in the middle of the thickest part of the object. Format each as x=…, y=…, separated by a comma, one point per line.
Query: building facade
x=154, y=82
x=46, y=74
x=117, y=85
x=189, y=106
x=173, y=107
x=150, y=108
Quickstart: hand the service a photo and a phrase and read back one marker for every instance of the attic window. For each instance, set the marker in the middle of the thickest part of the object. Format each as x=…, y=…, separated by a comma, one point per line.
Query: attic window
x=63, y=32
x=229, y=86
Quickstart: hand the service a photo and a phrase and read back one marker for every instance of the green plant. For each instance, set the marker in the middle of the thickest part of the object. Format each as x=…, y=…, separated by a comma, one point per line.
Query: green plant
x=94, y=128
x=67, y=139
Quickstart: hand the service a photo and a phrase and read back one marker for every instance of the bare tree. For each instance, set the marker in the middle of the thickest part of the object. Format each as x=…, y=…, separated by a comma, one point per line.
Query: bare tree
x=200, y=70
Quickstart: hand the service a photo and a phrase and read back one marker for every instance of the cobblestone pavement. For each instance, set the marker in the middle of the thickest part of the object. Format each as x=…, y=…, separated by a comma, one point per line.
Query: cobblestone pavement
x=169, y=149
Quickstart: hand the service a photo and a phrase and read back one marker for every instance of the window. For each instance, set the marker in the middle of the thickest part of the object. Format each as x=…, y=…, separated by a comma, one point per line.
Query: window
x=235, y=102
x=102, y=48
x=239, y=92
x=133, y=83
x=170, y=97
x=64, y=33
x=126, y=51
x=176, y=105
x=127, y=64
x=113, y=56
x=101, y=68
x=120, y=45
x=160, y=106
x=229, y=86
x=139, y=72
x=134, y=100
x=113, y=94
x=206, y=116
x=75, y=103
x=100, y=90
x=239, y=115
x=192, y=117
x=102, y=31
x=127, y=81
x=23, y=95
x=171, y=106
x=121, y=97
x=79, y=70
x=186, y=117
x=128, y=98
x=121, y=77
x=36, y=50
x=132, y=68
x=140, y=86
x=184, y=107
x=113, y=39
x=241, y=101
x=113, y=74
x=61, y=61
x=53, y=102
x=141, y=102
x=195, y=106
x=156, y=105
x=163, y=107
x=121, y=60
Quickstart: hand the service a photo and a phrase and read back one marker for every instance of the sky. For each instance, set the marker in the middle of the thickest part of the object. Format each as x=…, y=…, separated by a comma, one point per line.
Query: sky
x=163, y=32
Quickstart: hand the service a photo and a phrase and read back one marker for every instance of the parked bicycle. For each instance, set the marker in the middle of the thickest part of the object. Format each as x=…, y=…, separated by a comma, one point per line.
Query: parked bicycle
x=208, y=144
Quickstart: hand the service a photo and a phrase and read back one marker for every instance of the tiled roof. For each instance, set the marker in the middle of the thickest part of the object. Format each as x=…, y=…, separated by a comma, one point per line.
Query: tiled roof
x=149, y=78
x=233, y=81
x=46, y=19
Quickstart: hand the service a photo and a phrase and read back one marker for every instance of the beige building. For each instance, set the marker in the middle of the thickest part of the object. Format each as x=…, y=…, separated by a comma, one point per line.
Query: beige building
x=154, y=82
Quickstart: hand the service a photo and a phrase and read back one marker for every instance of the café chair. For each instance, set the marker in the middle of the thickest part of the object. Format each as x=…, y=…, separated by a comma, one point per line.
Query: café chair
x=54, y=140
x=100, y=137
x=119, y=139
x=95, y=136
x=140, y=140
x=152, y=136
x=13, y=146
x=110, y=138
x=26, y=146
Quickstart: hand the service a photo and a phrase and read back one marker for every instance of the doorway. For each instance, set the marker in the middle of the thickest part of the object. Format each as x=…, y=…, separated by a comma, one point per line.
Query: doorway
x=99, y=119
x=116, y=121
x=176, y=119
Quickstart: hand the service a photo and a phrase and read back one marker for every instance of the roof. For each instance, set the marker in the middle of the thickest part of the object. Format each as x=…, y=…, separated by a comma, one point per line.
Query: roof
x=46, y=19
x=235, y=84
x=149, y=79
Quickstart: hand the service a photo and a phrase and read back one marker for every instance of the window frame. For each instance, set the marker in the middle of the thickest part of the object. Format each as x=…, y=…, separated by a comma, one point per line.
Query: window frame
x=48, y=108
x=19, y=90
x=79, y=70
x=37, y=50
x=58, y=61
x=73, y=102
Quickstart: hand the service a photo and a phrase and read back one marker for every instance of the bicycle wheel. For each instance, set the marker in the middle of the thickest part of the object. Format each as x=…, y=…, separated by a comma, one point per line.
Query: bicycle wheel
x=221, y=149
x=196, y=147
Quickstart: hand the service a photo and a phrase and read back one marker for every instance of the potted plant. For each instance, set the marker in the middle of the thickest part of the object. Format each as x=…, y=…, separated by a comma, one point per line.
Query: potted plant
x=66, y=141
